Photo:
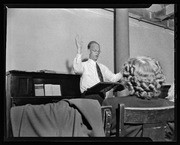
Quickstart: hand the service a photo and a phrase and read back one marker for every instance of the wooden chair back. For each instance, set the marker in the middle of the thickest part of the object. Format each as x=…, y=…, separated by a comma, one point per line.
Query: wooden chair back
x=153, y=120
x=106, y=118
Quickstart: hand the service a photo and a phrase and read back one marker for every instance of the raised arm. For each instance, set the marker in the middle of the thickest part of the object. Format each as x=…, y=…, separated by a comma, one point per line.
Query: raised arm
x=77, y=63
x=79, y=44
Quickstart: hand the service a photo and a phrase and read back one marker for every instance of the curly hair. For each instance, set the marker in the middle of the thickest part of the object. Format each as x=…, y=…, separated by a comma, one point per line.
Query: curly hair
x=143, y=77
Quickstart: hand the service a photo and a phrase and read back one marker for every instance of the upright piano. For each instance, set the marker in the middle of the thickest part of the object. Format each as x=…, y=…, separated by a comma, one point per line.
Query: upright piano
x=38, y=88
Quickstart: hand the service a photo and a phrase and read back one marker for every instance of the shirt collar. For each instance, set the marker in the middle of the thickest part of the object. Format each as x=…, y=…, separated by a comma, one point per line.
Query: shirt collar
x=92, y=61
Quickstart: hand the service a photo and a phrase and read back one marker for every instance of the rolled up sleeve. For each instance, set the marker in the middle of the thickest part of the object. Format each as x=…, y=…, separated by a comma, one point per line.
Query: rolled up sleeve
x=111, y=76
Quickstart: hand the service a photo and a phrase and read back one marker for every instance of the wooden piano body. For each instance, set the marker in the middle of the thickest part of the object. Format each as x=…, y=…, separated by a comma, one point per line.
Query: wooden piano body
x=20, y=89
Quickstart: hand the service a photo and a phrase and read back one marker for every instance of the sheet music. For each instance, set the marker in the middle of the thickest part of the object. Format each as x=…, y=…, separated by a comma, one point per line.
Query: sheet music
x=48, y=90
x=52, y=90
x=39, y=89
x=56, y=90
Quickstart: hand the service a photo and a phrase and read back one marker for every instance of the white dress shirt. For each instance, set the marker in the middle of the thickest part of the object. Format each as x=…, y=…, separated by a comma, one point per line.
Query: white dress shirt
x=89, y=75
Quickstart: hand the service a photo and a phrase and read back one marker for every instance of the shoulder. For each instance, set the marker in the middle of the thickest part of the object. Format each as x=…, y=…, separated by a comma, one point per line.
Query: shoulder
x=133, y=101
x=165, y=102
x=102, y=66
x=117, y=100
x=154, y=103
x=85, y=62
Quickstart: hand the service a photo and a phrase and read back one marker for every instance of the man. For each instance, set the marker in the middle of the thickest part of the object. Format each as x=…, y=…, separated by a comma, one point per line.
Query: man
x=92, y=72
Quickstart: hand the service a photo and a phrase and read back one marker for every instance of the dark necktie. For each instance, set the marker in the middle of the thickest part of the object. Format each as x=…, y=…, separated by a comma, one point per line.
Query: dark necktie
x=99, y=73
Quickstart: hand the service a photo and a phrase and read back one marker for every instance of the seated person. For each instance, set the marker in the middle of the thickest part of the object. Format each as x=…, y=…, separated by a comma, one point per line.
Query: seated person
x=170, y=96
x=92, y=72
x=170, y=127
x=142, y=78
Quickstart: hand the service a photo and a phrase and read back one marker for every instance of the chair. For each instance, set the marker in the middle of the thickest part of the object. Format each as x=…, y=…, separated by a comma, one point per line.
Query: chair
x=106, y=118
x=153, y=120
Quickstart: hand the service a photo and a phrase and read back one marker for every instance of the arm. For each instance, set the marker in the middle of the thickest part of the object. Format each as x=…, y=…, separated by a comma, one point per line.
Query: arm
x=111, y=76
x=77, y=63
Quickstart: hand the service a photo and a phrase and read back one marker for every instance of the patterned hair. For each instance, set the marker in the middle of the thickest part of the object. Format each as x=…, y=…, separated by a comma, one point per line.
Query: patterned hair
x=143, y=77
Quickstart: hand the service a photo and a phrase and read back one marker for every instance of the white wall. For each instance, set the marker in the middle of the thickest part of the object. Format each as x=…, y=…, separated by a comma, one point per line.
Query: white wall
x=156, y=42
x=44, y=38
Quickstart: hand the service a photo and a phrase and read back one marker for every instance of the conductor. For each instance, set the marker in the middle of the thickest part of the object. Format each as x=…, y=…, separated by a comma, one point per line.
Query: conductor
x=91, y=71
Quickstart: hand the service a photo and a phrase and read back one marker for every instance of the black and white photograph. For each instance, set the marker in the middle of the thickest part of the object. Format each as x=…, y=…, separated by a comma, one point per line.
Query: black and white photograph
x=90, y=73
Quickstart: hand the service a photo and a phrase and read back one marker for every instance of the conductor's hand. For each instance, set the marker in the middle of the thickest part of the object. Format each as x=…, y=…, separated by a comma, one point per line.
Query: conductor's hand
x=79, y=44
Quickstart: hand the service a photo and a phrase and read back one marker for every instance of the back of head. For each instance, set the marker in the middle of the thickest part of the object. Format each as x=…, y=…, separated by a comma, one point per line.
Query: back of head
x=90, y=43
x=143, y=77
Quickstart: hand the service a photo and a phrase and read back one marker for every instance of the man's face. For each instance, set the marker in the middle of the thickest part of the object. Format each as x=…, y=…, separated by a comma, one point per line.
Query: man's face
x=94, y=51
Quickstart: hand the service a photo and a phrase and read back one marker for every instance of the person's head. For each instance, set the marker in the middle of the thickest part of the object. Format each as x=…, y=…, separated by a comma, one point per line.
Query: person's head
x=94, y=49
x=143, y=77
